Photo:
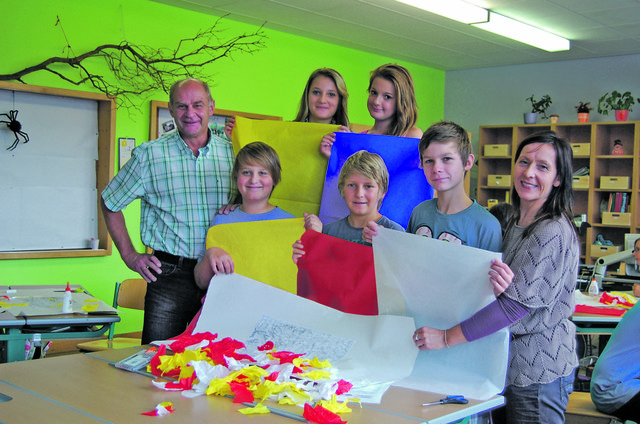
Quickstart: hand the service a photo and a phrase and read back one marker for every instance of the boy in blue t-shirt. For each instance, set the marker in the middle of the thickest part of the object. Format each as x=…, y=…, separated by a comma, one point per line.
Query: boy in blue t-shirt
x=446, y=156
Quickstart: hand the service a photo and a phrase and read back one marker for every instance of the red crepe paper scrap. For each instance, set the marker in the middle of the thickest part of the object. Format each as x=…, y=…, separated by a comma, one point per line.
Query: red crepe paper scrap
x=286, y=357
x=242, y=392
x=267, y=346
x=155, y=361
x=226, y=347
x=273, y=376
x=181, y=342
x=156, y=412
x=321, y=415
x=609, y=299
x=184, y=383
x=343, y=387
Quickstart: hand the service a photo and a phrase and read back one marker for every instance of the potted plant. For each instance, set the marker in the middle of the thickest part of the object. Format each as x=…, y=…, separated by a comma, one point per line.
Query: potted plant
x=583, y=111
x=620, y=103
x=537, y=107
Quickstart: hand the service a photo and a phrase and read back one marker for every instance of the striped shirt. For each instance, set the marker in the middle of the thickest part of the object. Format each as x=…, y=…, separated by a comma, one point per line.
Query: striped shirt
x=179, y=192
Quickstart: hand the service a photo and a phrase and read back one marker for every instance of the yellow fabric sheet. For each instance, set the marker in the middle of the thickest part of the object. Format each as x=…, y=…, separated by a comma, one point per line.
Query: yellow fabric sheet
x=303, y=166
x=261, y=250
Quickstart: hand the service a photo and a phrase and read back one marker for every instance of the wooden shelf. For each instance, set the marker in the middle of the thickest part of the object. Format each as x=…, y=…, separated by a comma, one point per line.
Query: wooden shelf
x=600, y=136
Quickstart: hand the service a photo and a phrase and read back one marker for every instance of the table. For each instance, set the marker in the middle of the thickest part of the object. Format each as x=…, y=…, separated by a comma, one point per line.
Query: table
x=594, y=323
x=15, y=330
x=86, y=388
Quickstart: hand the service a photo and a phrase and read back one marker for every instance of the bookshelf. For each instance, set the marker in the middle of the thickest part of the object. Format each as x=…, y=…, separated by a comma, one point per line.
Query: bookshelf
x=609, y=174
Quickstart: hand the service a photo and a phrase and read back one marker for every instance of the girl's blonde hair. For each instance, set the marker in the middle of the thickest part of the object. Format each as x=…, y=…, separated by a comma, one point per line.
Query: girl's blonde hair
x=340, y=117
x=406, y=114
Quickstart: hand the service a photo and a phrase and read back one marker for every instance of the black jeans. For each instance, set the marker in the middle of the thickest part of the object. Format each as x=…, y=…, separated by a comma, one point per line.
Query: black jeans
x=171, y=303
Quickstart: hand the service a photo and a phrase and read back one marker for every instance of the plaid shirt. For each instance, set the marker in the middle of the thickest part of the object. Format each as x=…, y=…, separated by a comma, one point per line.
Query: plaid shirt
x=180, y=193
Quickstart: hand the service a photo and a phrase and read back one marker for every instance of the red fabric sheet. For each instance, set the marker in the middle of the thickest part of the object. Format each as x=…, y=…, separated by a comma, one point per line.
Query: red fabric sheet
x=584, y=309
x=337, y=273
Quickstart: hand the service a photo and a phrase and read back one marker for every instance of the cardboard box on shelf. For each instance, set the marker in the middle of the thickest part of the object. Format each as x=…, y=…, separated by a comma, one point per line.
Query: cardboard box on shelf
x=616, y=218
x=497, y=149
x=581, y=149
x=614, y=183
x=499, y=181
x=599, y=251
x=581, y=182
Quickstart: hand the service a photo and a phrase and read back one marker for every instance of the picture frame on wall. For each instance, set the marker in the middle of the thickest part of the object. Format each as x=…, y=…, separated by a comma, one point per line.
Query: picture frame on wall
x=162, y=122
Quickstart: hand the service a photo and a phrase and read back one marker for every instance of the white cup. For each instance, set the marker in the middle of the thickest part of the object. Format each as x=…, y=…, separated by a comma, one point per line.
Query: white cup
x=94, y=243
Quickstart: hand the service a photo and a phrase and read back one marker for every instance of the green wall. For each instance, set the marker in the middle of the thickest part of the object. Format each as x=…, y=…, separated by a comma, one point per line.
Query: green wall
x=268, y=82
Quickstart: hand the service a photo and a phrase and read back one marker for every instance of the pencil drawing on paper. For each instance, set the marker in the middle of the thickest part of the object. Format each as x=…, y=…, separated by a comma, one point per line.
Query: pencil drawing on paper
x=295, y=338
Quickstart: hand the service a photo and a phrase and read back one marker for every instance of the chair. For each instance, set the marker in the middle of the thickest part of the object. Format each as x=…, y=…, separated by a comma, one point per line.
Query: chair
x=128, y=294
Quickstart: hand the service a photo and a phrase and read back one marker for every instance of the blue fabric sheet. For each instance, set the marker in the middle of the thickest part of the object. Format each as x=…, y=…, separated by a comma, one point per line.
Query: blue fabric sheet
x=407, y=183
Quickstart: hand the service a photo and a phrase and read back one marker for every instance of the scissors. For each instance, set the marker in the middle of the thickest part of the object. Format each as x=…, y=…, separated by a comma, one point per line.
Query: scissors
x=449, y=399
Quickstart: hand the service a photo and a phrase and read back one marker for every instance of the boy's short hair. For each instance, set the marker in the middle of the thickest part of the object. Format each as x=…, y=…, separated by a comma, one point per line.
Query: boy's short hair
x=370, y=165
x=443, y=132
x=260, y=154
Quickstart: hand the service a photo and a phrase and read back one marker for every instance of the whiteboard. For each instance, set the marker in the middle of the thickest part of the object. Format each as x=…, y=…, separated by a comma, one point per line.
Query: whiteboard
x=48, y=193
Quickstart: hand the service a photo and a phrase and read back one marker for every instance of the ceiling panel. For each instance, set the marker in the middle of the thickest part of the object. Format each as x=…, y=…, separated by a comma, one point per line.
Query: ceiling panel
x=596, y=28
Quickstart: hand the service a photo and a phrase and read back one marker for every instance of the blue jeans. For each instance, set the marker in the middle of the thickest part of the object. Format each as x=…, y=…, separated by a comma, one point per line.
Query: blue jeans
x=539, y=403
x=171, y=303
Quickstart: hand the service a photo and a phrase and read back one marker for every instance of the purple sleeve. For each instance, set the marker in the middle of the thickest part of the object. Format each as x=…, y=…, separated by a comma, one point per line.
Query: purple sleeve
x=493, y=317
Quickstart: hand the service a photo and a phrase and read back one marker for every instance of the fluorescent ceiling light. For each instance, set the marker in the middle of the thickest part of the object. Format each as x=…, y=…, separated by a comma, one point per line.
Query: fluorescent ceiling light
x=482, y=18
x=524, y=33
x=452, y=9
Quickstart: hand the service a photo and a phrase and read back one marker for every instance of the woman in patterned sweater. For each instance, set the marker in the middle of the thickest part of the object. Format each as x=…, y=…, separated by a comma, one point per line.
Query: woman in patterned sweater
x=541, y=255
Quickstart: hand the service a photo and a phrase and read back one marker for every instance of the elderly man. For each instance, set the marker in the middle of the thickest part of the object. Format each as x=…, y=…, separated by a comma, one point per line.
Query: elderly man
x=182, y=179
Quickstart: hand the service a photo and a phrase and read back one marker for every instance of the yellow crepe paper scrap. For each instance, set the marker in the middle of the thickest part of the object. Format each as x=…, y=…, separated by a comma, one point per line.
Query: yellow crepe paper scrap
x=168, y=363
x=91, y=300
x=186, y=372
x=220, y=386
x=316, y=363
x=268, y=388
x=296, y=394
x=317, y=375
x=286, y=401
x=334, y=406
x=258, y=409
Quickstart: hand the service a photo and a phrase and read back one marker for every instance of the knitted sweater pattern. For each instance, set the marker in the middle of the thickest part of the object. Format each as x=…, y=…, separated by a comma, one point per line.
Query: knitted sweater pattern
x=545, y=266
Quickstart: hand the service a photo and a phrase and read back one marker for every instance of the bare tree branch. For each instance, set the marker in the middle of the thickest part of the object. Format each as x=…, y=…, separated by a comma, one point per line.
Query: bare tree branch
x=135, y=71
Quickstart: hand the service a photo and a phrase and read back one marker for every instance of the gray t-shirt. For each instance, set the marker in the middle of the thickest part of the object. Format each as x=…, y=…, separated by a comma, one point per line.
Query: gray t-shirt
x=342, y=229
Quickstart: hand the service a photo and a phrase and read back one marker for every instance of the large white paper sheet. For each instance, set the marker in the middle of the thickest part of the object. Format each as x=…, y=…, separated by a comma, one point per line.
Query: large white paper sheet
x=364, y=349
x=441, y=284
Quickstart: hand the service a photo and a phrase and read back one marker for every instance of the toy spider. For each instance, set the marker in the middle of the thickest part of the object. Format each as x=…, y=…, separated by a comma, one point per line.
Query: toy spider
x=14, y=126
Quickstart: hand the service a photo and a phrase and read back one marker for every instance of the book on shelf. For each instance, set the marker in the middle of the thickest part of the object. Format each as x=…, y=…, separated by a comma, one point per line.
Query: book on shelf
x=618, y=202
x=581, y=172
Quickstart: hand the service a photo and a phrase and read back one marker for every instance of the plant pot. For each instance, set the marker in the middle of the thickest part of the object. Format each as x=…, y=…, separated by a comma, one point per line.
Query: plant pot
x=583, y=117
x=530, y=118
x=622, y=115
